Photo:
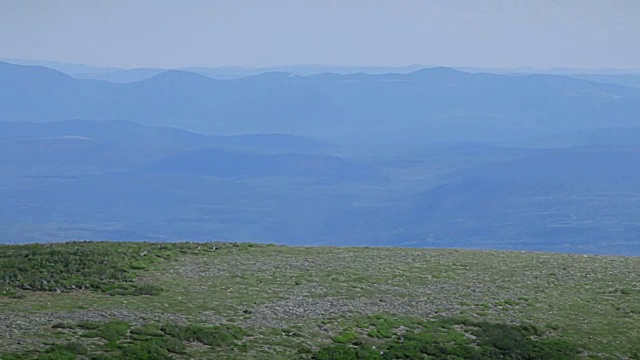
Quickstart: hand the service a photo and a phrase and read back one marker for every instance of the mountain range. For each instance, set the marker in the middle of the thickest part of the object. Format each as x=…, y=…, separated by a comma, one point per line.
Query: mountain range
x=624, y=77
x=435, y=157
x=431, y=105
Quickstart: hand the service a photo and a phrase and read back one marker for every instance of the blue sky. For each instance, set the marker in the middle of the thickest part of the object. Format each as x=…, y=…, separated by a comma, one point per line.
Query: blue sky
x=482, y=33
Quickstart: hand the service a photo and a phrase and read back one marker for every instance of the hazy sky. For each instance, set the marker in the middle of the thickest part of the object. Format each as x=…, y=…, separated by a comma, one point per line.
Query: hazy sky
x=482, y=33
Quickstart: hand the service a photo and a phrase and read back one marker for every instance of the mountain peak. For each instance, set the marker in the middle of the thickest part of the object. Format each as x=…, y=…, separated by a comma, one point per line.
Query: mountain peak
x=171, y=76
x=439, y=71
x=30, y=72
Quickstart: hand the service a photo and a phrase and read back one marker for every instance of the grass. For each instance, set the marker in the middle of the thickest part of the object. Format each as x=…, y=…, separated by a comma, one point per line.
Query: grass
x=274, y=302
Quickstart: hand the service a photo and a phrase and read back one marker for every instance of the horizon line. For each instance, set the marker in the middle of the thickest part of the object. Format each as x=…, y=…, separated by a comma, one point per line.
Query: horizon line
x=263, y=67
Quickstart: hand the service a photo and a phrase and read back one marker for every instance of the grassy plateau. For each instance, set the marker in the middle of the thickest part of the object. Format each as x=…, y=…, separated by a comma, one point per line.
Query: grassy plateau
x=102, y=300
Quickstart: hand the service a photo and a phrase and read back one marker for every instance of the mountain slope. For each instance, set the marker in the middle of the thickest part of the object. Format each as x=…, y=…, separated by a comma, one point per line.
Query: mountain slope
x=577, y=200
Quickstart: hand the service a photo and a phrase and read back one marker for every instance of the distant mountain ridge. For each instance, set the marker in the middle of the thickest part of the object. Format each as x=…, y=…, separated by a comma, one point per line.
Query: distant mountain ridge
x=431, y=104
x=123, y=75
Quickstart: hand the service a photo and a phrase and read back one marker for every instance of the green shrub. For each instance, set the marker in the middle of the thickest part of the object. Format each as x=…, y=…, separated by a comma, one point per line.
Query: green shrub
x=144, y=351
x=57, y=355
x=445, y=339
x=216, y=336
x=148, y=330
x=336, y=352
x=12, y=357
x=110, y=331
x=346, y=337
x=134, y=290
x=73, y=266
x=381, y=329
x=75, y=348
x=172, y=345
x=62, y=325
x=89, y=325
x=343, y=352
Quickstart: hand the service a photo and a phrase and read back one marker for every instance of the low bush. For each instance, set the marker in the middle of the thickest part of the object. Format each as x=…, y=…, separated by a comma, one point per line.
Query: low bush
x=70, y=347
x=216, y=336
x=110, y=331
x=74, y=266
x=346, y=337
x=337, y=352
x=449, y=339
x=148, y=330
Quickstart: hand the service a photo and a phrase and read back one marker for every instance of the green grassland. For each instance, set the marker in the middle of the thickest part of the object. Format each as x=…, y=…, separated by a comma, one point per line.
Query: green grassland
x=246, y=301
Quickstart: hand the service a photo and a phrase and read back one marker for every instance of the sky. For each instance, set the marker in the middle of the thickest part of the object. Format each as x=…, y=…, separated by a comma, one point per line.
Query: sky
x=457, y=33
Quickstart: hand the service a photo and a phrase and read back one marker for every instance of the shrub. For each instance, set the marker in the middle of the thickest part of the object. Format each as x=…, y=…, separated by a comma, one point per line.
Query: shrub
x=336, y=352
x=62, y=325
x=346, y=337
x=57, y=355
x=443, y=339
x=148, y=330
x=216, y=336
x=89, y=325
x=134, y=290
x=110, y=331
x=74, y=348
x=144, y=351
x=98, y=266
x=172, y=345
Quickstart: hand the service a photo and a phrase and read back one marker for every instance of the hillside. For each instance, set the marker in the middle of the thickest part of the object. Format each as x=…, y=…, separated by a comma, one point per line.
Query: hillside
x=569, y=200
x=246, y=301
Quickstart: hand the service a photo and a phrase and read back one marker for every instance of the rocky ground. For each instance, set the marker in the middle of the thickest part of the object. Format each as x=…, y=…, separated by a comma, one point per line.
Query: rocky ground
x=593, y=301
